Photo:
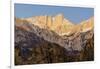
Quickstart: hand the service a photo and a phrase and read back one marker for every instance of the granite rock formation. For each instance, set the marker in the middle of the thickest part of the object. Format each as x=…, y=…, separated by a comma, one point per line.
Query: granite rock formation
x=47, y=39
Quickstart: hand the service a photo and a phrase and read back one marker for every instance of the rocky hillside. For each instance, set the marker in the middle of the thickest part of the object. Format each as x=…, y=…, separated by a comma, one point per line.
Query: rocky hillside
x=47, y=39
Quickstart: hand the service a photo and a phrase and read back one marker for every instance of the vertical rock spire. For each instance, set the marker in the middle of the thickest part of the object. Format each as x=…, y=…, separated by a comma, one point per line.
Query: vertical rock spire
x=49, y=22
x=57, y=22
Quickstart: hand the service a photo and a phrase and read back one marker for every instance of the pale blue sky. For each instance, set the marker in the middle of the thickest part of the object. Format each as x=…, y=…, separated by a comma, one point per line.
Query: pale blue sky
x=74, y=14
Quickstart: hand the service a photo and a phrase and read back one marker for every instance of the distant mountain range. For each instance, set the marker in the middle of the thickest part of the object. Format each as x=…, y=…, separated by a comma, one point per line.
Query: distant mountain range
x=57, y=29
x=48, y=31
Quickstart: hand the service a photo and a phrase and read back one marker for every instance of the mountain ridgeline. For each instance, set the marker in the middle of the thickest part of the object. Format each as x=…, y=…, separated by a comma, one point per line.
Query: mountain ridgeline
x=47, y=39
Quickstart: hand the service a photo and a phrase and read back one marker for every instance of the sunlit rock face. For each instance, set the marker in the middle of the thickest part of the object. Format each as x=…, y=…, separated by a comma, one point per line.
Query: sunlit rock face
x=51, y=36
x=57, y=23
x=60, y=25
